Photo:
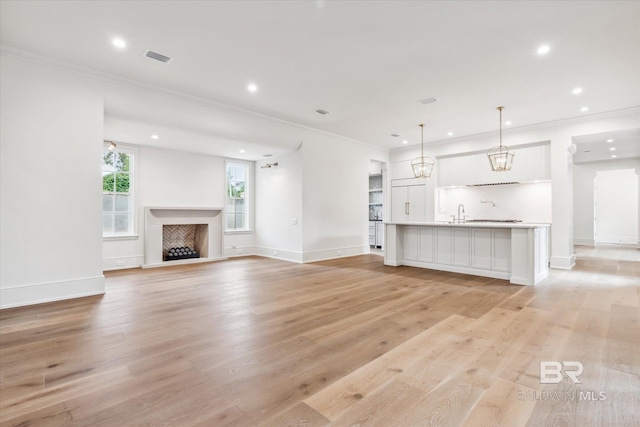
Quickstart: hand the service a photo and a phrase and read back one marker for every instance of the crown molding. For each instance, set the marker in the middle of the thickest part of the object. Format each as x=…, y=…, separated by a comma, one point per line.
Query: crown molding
x=534, y=126
x=158, y=90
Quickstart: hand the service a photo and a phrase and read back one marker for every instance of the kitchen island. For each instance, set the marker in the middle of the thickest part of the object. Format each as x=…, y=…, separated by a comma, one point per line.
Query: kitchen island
x=516, y=252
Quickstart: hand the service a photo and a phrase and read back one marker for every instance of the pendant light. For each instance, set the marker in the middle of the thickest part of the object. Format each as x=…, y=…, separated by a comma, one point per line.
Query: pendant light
x=500, y=157
x=422, y=166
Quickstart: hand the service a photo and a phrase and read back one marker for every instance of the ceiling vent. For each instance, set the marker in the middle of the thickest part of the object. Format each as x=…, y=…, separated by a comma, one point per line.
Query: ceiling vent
x=158, y=57
x=427, y=101
x=495, y=183
x=323, y=112
x=395, y=135
x=267, y=155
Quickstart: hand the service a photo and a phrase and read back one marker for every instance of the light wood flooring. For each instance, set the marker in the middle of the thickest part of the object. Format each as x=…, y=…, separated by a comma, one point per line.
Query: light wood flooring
x=261, y=342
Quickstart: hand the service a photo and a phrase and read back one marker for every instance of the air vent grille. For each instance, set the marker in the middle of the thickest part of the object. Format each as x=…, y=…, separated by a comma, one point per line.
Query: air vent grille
x=395, y=135
x=323, y=112
x=428, y=100
x=495, y=183
x=158, y=57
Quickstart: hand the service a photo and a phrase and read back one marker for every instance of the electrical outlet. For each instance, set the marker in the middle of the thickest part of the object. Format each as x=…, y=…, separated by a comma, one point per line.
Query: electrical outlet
x=294, y=221
x=233, y=246
x=120, y=262
x=239, y=251
x=275, y=253
x=339, y=252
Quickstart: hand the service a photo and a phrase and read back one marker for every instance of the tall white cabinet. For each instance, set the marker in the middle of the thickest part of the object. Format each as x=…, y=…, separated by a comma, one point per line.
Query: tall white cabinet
x=408, y=200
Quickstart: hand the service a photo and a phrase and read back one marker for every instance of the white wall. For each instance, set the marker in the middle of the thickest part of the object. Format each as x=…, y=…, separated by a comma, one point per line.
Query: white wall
x=617, y=206
x=560, y=136
x=50, y=211
x=170, y=178
x=335, y=196
x=278, y=203
x=527, y=202
x=583, y=195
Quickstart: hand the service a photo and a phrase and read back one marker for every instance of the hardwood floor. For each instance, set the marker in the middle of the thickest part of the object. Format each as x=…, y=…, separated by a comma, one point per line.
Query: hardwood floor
x=261, y=342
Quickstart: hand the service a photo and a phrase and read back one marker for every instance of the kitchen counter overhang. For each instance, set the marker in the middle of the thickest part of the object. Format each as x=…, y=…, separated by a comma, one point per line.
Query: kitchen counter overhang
x=517, y=252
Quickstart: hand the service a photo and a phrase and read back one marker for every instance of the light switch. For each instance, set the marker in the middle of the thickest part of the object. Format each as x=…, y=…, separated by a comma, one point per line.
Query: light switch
x=294, y=221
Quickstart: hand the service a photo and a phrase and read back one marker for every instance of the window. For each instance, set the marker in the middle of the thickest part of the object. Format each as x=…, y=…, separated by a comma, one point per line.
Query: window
x=117, y=191
x=237, y=196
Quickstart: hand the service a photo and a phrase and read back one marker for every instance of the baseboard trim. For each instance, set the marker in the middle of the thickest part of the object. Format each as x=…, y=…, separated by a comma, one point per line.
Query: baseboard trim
x=239, y=251
x=329, y=254
x=38, y=293
x=312, y=256
x=563, y=263
x=291, y=256
x=132, y=261
x=584, y=242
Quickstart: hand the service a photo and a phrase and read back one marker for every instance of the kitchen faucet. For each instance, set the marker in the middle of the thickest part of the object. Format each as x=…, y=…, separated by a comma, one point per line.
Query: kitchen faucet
x=460, y=220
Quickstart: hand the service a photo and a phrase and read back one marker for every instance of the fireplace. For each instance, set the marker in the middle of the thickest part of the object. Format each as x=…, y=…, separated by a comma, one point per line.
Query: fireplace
x=185, y=241
x=182, y=235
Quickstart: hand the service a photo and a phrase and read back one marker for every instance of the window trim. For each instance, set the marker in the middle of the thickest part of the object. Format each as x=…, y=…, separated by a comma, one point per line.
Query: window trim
x=132, y=234
x=248, y=206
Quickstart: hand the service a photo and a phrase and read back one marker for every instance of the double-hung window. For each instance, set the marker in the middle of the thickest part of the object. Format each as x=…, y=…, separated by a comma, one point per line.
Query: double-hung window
x=237, y=209
x=117, y=191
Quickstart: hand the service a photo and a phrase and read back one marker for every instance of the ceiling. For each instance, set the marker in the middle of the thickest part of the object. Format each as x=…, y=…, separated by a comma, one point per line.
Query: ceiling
x=367, y=63
x=596, y=147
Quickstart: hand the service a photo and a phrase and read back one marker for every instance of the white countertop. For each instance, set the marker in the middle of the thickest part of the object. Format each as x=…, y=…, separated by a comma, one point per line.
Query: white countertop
x=475, y=224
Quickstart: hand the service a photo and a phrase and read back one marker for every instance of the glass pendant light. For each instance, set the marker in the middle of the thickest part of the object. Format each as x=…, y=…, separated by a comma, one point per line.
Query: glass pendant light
x=422, y=166
x=500, y=157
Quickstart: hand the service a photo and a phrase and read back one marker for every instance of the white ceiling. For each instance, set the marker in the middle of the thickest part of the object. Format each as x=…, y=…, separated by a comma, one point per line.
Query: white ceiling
x=595, y=147
x=368, y=63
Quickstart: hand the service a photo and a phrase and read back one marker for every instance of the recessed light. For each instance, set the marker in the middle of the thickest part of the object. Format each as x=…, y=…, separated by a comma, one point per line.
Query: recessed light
x=612, y=149
x=154, y=136
x=242, y=151
x=544, y=49
x=119, y=43
x=323, y=112
x=507, y=123
x=405, y=141
x=609, y=140
x=584, y=109
x=450, y=133
x=614, y=156
x=577, y=91
x=395, y=135
x=252, y=87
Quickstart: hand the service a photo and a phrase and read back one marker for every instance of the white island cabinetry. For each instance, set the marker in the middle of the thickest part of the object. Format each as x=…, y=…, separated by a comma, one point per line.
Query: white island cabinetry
x=514, y=252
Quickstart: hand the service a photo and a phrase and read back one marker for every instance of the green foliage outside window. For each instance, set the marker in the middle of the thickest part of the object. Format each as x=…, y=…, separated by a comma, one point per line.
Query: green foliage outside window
x=120, y=162
x=121, y=181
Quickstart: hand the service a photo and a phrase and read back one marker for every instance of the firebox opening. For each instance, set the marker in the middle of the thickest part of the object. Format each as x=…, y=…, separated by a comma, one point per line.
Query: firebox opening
x=184, y=241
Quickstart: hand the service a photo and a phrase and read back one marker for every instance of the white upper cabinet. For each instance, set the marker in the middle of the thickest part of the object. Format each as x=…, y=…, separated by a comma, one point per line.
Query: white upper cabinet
x=530, y=163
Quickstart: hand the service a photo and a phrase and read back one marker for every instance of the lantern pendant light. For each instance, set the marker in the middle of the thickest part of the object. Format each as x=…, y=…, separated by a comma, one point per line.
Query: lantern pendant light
x=422, y=166
x=500, y=157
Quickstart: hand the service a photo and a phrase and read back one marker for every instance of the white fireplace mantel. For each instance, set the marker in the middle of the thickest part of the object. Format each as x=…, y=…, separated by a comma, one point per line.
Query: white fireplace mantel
x=156, y=217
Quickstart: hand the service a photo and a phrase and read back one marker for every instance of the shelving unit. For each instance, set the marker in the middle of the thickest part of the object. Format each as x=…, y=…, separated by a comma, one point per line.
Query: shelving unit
x=376, y=231
x=375, y=197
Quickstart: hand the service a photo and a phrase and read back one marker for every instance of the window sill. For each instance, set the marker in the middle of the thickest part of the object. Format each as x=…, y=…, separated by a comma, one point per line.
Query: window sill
x=123, y=237
x=238, y=232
